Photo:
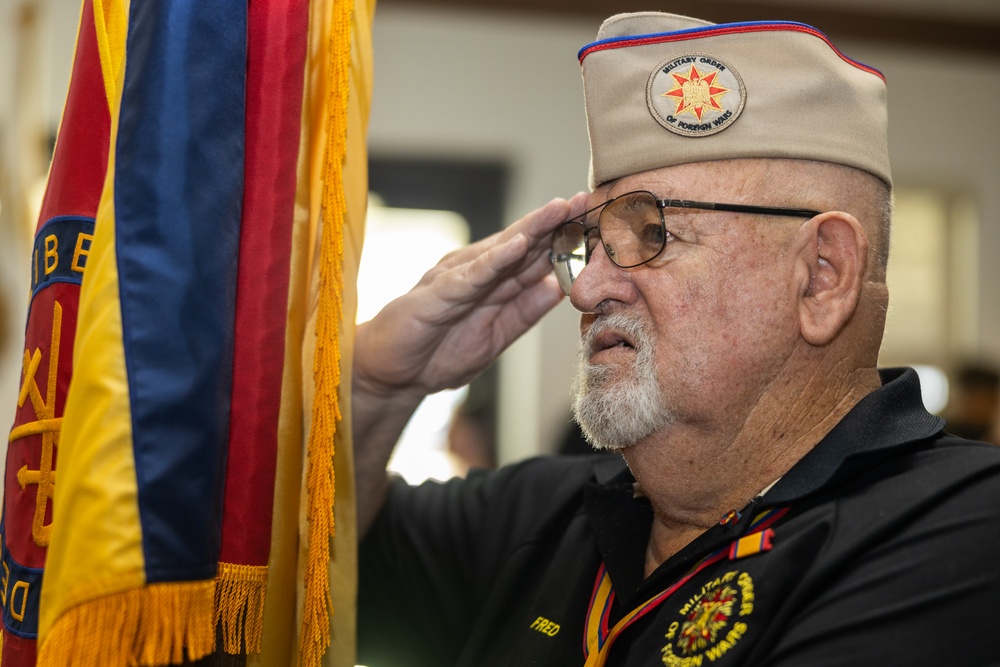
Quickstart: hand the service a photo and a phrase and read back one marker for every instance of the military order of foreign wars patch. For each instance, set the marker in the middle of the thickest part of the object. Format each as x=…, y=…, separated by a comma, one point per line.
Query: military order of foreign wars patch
x=695, y=95
x=712, y=622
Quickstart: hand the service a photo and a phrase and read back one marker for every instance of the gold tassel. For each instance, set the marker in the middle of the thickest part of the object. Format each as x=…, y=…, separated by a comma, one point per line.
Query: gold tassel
x=159, y=624
x=315, y=632
x=239, y=606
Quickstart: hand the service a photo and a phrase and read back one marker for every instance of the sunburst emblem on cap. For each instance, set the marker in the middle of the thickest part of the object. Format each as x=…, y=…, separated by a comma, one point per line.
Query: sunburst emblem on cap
x=696, y=91
x=695, y=94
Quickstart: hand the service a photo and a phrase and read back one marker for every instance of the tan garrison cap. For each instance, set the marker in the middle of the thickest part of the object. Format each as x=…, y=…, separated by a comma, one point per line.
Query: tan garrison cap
x=663, y=90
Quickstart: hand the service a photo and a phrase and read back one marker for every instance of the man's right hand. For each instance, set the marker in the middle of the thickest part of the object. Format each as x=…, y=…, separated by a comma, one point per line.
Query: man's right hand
x=449, y=328
x=465, y=311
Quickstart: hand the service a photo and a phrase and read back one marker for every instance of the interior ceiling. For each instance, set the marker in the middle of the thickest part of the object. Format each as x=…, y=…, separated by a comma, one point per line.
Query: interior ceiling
x=970, y=26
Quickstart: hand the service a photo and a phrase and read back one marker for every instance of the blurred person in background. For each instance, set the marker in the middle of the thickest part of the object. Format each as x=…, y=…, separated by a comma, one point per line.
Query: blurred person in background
x=974, y=403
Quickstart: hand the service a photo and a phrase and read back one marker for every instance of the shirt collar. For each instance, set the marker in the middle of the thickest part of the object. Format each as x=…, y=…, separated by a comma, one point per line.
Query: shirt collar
x=888, y=418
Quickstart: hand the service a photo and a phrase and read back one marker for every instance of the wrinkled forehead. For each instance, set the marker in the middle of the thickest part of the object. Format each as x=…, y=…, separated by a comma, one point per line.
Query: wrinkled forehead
x=733, y=181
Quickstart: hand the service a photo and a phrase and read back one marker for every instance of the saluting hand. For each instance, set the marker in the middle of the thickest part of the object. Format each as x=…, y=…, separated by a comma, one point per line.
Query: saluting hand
x=452, y=325
x=465, y=311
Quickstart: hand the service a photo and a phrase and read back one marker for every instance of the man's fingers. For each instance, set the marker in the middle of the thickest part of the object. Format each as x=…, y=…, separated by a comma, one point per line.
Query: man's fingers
x=536, y=227
x=539, y=225
x=503, y=272
x=536, y=231
x=532, y=304
x=513, y=260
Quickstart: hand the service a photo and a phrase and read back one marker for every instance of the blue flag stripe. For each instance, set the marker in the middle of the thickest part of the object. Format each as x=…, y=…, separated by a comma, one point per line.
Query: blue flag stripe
x=178, y=199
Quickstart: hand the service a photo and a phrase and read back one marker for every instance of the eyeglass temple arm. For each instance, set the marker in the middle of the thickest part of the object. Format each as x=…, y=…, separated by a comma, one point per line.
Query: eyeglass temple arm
x=739, y=208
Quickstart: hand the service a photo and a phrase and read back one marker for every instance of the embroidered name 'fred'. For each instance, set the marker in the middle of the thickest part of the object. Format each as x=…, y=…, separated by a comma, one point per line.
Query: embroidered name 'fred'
x=545, y=626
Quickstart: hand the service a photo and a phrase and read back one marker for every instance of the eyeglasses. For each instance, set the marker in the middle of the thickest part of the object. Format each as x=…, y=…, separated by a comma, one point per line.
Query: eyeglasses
x=633, y=229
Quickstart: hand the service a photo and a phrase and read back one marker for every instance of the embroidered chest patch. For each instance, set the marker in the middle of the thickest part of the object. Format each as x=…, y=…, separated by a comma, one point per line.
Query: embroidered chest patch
x=711, y=622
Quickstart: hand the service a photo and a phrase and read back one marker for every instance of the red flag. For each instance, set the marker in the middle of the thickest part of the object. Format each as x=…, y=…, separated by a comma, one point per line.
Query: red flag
x=62, y=243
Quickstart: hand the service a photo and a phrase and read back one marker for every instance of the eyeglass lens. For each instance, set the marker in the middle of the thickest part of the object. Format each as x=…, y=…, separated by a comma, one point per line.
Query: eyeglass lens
x=630, y=228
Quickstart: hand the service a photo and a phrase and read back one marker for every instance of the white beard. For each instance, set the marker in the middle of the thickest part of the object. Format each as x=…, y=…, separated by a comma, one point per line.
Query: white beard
x=617, y=407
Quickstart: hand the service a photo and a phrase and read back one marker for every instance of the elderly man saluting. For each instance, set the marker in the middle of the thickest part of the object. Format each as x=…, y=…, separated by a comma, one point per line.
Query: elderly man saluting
x=772, y=498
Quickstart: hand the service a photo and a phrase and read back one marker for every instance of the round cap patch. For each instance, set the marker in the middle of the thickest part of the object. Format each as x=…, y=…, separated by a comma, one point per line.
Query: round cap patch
x=695, y=95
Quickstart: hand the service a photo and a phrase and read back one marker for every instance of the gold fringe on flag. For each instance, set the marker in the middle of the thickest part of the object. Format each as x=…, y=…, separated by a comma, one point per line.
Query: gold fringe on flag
x=239, y=606
x=314, y=636
x=159, y=624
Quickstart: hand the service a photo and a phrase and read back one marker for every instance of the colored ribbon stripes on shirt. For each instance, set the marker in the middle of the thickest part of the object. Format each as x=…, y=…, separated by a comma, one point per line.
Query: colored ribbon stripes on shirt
x=599, y=637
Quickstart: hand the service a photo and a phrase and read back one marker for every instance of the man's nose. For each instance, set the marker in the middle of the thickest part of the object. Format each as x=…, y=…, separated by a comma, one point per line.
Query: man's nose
x=600, y=280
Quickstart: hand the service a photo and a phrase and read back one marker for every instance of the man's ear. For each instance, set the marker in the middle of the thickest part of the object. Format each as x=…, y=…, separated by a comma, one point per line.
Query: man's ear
x=836, y=256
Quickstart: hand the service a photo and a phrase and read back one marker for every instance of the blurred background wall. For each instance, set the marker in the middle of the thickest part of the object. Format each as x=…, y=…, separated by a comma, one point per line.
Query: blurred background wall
x=478, y=109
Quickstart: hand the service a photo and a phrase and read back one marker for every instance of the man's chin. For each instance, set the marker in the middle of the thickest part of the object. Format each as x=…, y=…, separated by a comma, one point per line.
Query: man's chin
x=618, y=448
x=618, y=414
x=607, y=419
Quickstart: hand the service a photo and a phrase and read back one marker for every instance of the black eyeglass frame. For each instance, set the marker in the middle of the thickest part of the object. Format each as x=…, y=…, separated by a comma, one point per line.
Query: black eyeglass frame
x=662, y=204
x=685, y=203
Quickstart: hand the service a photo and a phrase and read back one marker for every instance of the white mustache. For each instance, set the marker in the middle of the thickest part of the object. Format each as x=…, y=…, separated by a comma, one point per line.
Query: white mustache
x=631, y=327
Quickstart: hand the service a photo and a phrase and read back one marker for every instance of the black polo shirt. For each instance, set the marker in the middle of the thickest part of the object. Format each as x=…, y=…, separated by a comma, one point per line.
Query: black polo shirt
x=878, y=548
